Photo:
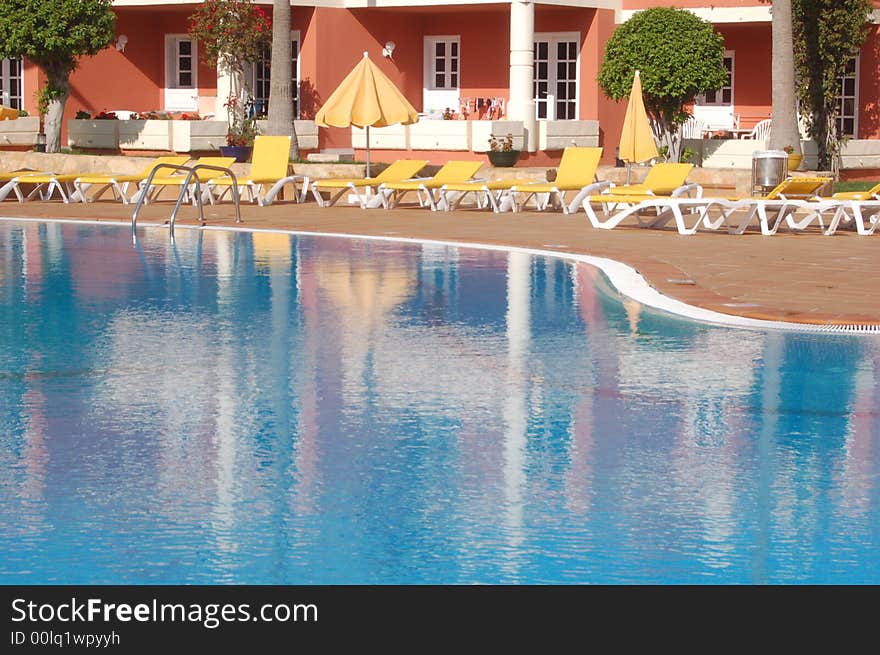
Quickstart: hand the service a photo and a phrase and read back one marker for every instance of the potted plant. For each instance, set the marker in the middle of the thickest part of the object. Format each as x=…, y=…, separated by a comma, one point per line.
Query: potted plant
x=241, y=132
x=794, y=160
x=501, y=152
x=230, y=34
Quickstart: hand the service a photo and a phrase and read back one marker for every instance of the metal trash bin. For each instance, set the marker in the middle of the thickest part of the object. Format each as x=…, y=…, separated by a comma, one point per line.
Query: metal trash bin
x=769, y=169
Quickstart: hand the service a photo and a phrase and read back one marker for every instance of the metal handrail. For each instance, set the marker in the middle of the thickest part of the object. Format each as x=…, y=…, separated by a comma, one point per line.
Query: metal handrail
x=145, y=189
x=197, y=197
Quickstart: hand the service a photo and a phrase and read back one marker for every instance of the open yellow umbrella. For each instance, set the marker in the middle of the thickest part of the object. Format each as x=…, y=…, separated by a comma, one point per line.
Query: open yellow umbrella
x=366, y=98
x=636, y=140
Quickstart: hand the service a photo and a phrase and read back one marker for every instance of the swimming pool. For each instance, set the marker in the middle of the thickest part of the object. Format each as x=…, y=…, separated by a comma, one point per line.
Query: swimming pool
x=260, y=408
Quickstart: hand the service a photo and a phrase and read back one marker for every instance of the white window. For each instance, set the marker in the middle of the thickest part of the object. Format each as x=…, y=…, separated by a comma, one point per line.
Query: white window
x=443, y=62
x=261, y=78
x=557, y=71
x=11, y=83
x=181, y=71
x=724, y=95
x=848, y=100
x=442, y=74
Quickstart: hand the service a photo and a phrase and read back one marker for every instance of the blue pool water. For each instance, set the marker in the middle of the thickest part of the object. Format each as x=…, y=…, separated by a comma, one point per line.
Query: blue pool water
x=257, y=408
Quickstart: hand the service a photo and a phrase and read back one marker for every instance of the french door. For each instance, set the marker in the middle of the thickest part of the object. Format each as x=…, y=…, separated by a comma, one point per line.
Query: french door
x=11, y=83
x=848, y=100
x=261, y=78
x=556, y=76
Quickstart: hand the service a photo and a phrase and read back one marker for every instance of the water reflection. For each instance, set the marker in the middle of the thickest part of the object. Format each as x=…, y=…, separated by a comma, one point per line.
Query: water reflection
x=255, y=408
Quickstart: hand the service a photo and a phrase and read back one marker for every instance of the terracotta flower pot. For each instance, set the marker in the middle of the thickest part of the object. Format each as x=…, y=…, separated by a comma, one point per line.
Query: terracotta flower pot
x=794, y=161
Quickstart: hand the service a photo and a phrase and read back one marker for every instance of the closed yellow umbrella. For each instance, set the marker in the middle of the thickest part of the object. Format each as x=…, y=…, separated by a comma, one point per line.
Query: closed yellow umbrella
x=366, y=98
x=636, y=140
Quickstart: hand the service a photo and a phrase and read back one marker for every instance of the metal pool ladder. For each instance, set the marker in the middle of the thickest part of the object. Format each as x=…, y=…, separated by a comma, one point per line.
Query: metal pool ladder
x=191, y=178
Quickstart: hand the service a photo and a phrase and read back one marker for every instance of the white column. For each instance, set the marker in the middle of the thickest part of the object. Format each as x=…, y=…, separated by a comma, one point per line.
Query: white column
x=522, y=69
x=224, y=88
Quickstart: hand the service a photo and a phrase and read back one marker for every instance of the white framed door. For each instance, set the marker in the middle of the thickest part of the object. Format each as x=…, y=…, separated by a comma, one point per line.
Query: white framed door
x=442, y=74
x=181, y=73
x=848, y=100
x=557, y=75
x=260, y=78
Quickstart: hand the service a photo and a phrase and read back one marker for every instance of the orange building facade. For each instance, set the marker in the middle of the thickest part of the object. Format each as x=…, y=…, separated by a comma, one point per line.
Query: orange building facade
x=448, y=55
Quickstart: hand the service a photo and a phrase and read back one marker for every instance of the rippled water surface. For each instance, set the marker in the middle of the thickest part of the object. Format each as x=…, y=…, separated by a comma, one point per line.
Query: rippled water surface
x=256, y=408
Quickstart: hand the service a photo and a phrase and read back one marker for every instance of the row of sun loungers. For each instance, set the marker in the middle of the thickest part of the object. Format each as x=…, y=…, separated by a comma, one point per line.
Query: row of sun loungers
x=269, y=174
x=663, y=196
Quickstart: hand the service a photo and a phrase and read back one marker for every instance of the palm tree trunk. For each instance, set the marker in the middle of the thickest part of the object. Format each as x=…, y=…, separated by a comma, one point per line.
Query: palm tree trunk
x=784, y=128
x=281, y=81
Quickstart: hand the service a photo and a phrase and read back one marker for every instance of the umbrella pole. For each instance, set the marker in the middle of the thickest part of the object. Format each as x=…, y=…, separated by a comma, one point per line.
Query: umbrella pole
x=628, y=171
x=368, y=151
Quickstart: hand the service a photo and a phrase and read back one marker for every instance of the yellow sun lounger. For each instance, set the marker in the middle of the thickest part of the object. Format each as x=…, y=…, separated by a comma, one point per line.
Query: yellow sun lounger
x=46, y=184
x=859, y=207
x=777, y=206
x=577, y=172
x=453, y=172
x=864, y=214
x=662, y=180
x=271, y=163
x=118, y=182
x=489, y=193
x=9, y=182
x=871, y=194
x=650, y=210
x=402, y=169
x=616, y=203
x=202, y=175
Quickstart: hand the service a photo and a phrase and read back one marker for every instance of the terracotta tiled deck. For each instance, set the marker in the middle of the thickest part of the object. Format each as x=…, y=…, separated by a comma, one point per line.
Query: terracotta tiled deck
x=803, y=277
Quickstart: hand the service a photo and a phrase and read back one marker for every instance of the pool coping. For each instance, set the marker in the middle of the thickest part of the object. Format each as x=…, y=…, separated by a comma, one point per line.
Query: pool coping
x=625, y=278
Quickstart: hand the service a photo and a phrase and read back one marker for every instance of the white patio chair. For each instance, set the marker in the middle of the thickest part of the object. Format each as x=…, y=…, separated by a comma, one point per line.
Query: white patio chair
x=693, y=128
x=761, y=130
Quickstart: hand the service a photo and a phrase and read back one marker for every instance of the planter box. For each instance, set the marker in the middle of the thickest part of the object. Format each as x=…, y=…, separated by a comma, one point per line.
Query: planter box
x=737, y=153
x=481, y=131
x=393, y=137
x=189, y=136
x=557, y=135
x=306, y=133
x=178, y=136
x=440, y=135
x=145, y=135
x=93, y=134
x=724, y=153
x=160, y=135
x=20, y=131
x=856, y=153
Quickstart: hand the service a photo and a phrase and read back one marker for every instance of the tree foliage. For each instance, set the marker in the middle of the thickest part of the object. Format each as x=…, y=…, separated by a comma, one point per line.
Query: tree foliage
x=679, y=56
x=54, y=34
x=827, y=34
x=231, y=33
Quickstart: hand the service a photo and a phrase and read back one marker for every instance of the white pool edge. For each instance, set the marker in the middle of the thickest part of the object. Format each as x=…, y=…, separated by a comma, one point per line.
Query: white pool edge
x=626, y=279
